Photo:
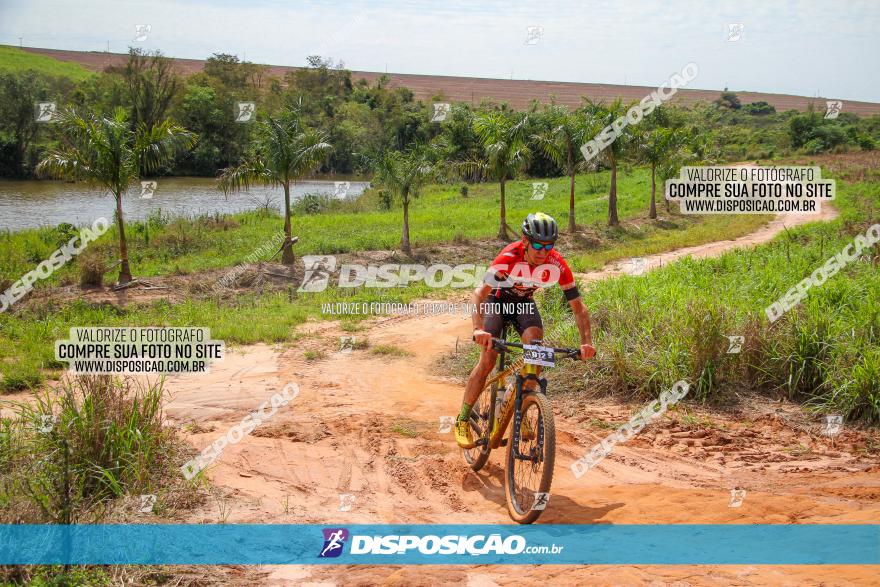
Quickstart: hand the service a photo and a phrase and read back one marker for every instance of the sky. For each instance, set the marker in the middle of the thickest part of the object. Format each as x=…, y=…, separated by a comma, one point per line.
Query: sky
x=809, y=48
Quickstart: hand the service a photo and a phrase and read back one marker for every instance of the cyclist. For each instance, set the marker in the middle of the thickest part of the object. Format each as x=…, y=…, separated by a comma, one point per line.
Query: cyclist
x=517, y=272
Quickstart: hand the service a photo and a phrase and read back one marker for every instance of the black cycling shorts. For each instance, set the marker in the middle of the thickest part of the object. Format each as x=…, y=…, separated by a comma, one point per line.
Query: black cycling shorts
x=521, y=314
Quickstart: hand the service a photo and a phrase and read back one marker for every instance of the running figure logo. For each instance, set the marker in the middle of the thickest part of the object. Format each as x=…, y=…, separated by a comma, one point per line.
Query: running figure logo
x=441, y=110
x=334, y=540
x=737, y=496
x=317, y=272
x=141, y=31
x=736, y=344
x=148, y=188
x=245, y=111
x=832, y=109
x=346, y=344
x=446, y=424
x=635, y=266
x=148, y=502
x=735, y=31
x=541, y=500
x=539, y=190
x=833, y=425
x=45, y=111
x=533, y=35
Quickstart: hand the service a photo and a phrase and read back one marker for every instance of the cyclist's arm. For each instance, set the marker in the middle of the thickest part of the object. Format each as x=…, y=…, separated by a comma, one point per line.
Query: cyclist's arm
x=582, y=318
x=578, y=308
x=481, y=337
x=478, y=298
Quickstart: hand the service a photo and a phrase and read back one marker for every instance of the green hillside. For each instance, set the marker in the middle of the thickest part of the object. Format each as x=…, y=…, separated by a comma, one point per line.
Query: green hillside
x=14, y=59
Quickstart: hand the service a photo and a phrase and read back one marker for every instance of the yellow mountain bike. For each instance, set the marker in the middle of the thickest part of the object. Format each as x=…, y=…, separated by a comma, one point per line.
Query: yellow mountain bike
x=531, y=446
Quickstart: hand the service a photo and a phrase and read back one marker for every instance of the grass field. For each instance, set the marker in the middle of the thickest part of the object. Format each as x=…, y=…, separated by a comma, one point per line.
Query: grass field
x=13, y=59
x=673, y=323
x=440, y=215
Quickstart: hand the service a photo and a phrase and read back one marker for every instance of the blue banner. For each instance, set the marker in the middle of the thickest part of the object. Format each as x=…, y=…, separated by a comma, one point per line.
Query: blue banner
x=721, y=544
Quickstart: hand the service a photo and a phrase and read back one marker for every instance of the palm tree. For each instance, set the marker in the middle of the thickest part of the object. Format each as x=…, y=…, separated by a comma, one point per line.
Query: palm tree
x=659, y=147
x=562, y=142
x=603, y=116
x=285, y=150
x=404, y=174
x=696, y=147
x=505, y=149
x=107, y=152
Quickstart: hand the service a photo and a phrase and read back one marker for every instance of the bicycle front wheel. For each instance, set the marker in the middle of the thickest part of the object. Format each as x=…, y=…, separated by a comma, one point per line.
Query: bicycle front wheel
x=529, y=474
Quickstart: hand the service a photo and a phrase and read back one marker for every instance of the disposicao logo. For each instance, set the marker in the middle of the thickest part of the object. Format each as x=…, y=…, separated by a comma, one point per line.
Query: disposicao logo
x=334, y=540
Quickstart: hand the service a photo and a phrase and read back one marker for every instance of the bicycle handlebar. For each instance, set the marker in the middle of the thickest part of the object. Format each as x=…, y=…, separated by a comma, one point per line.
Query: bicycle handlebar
x=500, y=343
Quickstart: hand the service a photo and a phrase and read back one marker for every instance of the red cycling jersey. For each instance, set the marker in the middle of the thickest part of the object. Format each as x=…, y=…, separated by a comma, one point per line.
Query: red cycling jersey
x=512, y=274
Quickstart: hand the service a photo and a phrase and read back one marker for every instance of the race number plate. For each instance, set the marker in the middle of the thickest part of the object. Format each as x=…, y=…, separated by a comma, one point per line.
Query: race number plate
x=538, y=355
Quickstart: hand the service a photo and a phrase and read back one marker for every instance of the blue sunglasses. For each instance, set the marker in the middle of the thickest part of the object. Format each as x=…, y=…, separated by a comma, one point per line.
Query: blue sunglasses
x=539, y=246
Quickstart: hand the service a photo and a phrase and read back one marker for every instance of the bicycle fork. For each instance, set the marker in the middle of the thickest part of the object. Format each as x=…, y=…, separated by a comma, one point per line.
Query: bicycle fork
x=513, y=407
x=529, y=372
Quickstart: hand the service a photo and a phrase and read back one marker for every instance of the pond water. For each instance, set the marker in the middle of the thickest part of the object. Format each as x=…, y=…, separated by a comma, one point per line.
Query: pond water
x=28, y=204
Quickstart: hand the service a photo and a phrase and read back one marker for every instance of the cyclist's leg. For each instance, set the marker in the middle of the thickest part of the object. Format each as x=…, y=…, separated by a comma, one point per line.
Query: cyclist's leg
x=480, y=372
x=531, y=329
x=492, y=323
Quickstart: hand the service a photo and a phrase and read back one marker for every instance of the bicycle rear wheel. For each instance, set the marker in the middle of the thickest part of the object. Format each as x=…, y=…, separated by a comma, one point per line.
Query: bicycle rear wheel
x=479, y=421
x=524, y=479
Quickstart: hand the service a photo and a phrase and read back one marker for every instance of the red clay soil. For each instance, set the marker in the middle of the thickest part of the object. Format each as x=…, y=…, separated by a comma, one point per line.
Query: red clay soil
x=518, y=93
x=361, y=444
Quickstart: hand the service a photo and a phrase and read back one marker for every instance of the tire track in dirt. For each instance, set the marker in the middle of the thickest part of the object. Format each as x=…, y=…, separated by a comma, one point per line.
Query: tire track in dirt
x=367, y=425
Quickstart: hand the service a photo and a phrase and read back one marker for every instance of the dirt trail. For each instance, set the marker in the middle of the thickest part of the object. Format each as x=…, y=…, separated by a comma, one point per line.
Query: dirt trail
x=365, y=428
x=714, y=249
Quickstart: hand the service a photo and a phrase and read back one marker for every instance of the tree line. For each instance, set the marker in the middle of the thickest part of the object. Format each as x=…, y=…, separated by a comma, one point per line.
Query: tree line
x=143, y=118
x=358, y=117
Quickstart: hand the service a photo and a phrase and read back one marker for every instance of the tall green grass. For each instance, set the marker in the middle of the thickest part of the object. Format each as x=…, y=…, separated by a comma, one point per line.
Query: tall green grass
x=71, y=455
x=69, y=452
x=673, y=322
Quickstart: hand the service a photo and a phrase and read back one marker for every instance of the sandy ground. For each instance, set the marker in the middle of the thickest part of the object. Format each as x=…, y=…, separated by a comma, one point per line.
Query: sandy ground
x=365, y=431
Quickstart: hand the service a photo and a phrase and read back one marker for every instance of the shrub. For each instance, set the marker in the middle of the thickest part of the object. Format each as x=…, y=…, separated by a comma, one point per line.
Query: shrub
x=386, y=200
x=93, y=439
x=20, y=381
x=218, y=221
x=63, y=233
x=178, y=238
x=390, y=350
x=92, y=267
x=802, y=128
x=814, y=147
x=156, y=219
x=313, y=204
x=729, y=100
x=759, y=108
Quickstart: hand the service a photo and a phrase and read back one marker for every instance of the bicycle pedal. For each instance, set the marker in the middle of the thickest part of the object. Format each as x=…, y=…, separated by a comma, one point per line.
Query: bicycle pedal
x=480, y=442
x=504, y=442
